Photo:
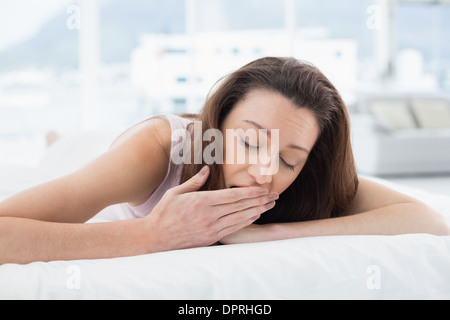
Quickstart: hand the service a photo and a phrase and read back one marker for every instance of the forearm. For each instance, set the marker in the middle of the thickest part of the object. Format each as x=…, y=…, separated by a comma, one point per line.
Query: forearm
x=25, y=240
x=401, y=218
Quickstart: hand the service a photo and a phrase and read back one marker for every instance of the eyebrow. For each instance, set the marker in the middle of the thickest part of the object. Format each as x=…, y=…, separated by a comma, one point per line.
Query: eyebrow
x=292, y=146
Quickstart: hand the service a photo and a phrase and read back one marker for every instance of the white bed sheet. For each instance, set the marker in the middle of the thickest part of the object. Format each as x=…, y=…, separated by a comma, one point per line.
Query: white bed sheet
x=345, y=267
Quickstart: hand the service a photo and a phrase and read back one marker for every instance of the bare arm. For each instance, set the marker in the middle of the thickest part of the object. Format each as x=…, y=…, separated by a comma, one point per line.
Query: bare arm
x=27, y=240
x=376, y=210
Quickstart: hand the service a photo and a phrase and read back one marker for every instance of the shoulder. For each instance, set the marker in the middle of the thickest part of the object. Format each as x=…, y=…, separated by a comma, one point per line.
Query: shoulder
x=147, y=146
x=372, y=195
x=158, y=129
x=147, y=132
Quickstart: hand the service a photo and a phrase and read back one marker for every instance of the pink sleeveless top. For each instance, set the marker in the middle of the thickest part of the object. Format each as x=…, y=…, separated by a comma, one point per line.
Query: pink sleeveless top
x=126, y=211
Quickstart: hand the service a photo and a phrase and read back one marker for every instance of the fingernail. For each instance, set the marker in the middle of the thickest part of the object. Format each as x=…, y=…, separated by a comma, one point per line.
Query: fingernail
x=273, y=196
x=204, y=170
x=270, y=205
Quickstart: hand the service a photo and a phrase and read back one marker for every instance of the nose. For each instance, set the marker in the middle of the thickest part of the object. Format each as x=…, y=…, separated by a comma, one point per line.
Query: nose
x=259, y=178
x=261, y=173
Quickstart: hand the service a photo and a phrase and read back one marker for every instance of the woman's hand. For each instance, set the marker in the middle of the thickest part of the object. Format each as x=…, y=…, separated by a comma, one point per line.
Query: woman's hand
x=186, y=217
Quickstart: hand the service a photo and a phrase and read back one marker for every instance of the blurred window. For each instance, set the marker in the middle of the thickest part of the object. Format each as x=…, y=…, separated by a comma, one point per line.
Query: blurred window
x=163, y=56
x=423, y=43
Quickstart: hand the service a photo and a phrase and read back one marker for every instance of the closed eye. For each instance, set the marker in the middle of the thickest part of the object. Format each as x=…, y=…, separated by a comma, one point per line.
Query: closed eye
x=285, y=164
x=249, y=146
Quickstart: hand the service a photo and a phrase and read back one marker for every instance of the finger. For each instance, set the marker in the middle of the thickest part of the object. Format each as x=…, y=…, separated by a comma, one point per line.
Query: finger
x=194, y=183
x=244, y=204
x=223, y=196
x=236, y=221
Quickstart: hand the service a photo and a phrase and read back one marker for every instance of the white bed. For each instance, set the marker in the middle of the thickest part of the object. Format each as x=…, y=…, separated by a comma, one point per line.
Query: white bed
x=414, y=266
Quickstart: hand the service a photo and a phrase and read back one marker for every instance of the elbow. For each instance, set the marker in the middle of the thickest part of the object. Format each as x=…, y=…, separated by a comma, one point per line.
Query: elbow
x=436, y=224
x=443, y=228
x=417, y=217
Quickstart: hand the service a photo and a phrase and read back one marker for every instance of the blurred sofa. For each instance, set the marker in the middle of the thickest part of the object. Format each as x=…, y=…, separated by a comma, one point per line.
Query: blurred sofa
x=402, y=134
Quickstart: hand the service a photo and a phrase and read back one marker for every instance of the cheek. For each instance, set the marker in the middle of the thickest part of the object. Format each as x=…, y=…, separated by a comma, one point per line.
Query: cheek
x=234, y=152
x=229, y=170
x=283, y=182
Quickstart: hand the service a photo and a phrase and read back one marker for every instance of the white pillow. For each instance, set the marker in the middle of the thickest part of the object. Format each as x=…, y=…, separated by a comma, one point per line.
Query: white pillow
x=69, y=154
x=393, y=114
x=431, y=114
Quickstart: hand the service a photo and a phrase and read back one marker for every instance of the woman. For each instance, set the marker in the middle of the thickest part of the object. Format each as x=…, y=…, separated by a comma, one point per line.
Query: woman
x=314, y=191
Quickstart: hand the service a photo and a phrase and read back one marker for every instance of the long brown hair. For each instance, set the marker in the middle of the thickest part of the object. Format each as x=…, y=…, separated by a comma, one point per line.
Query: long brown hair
x=328, y=181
